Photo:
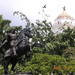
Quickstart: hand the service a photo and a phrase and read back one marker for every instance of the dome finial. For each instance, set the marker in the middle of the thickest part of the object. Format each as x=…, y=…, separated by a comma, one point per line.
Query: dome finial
x=64, y=8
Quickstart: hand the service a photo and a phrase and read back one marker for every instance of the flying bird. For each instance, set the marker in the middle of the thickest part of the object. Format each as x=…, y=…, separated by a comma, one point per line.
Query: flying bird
x=44, y=6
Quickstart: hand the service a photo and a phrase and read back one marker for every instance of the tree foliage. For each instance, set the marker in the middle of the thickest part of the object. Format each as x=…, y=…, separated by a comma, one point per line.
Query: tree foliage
x=4, y=25
x=59, y=51
x=44, y=63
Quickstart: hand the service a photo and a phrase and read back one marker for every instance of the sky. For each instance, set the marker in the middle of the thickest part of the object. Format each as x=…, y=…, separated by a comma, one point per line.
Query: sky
x=31, y=9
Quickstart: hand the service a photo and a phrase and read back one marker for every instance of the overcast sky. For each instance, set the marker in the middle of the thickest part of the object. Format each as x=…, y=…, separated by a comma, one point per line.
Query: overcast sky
x=31, y=8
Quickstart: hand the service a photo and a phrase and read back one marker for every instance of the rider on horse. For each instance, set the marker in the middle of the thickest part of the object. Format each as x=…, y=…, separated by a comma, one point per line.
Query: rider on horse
x=13, y=41
x=11, y=38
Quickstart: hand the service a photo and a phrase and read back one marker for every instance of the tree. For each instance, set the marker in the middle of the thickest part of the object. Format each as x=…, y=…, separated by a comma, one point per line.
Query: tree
x=43, y=30
x=4, y=25
x=69, y=53
x=18, y=29
x=69, y=35
x=62, y=41
x=23, y=18
x=44, y=63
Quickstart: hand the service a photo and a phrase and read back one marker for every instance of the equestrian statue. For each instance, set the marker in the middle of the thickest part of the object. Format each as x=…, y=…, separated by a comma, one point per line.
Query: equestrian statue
x=14, y=46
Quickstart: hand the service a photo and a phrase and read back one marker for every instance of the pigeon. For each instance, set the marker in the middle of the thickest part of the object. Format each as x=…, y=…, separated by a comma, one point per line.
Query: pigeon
x=44, y=6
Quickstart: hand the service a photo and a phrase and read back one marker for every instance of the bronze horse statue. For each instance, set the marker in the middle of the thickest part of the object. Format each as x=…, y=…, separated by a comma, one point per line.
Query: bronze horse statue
x=23, y=48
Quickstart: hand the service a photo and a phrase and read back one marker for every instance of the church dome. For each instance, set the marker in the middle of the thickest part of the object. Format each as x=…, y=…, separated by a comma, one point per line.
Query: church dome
x=64, y=15
x=64, y=19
